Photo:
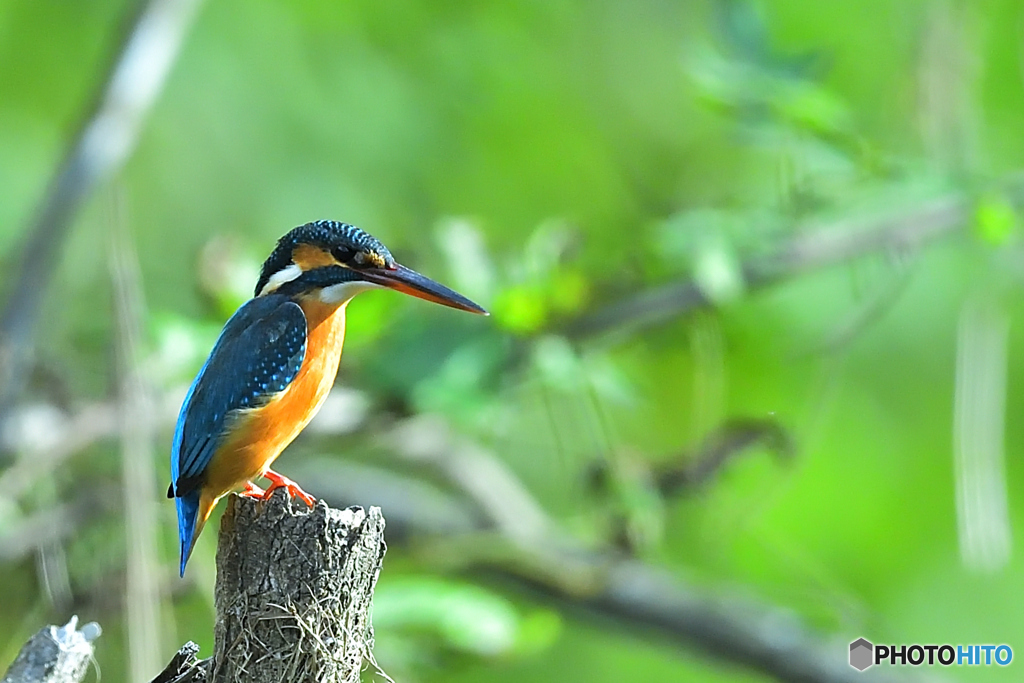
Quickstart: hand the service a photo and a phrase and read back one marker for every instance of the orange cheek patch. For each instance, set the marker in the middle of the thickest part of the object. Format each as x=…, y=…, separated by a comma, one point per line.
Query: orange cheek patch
x=307, y=257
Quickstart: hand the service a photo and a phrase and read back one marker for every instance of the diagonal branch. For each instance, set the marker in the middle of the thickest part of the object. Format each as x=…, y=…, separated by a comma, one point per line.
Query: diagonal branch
x=725, y=443
x=631, y=594
x=813, y=247
x=100, y=149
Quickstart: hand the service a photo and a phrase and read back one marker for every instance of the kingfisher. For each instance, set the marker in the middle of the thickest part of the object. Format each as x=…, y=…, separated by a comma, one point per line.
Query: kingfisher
x=274, y=364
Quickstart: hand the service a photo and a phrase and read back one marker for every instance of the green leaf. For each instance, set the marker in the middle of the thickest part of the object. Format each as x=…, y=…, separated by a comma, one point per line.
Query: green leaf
x=995, y=220
x=521, y=309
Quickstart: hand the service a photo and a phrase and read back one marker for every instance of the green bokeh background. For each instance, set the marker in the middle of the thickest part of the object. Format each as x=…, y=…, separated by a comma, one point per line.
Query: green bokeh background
x=596, y=149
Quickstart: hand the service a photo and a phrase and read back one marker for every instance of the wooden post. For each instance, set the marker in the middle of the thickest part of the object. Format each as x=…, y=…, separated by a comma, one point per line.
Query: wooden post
x=294, y=591
x=293, y=597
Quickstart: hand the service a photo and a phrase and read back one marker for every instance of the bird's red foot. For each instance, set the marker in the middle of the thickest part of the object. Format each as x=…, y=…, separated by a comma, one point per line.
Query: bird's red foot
x=279, y=481
x=251, y=490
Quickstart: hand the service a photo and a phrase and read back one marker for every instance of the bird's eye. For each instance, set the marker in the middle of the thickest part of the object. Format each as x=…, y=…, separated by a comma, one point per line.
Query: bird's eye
x=343, y=254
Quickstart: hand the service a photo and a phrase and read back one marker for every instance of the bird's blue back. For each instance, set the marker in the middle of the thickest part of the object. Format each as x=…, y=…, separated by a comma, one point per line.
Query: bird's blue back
x=257, y=355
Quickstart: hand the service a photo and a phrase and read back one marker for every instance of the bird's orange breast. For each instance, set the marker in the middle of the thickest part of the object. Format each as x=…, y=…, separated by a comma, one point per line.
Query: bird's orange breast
x=260, y=434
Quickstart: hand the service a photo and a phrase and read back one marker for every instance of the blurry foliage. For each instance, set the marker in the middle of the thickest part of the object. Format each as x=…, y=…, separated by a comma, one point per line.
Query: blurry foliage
x=463, y=617
x=548, y=158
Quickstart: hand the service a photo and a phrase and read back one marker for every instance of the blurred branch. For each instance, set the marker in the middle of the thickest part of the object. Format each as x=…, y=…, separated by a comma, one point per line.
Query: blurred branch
x=814, y=246
x=55, y=655
x=100, y=148
x=730, y=440
x=48, y=526
x=634, y=491
x=764, y=638
x=481, y=475
x=631, y=593
x=865, y=315
x=418, y=506
x=143, y=599
x=103, y=420
x=84, y=428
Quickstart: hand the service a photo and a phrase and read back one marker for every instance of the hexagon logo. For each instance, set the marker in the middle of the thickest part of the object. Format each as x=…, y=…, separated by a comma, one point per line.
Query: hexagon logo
x=861, y=654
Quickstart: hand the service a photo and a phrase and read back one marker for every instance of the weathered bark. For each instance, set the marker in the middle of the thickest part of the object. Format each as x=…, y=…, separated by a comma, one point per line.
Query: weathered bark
x=185, y=667
x=57, y=654
x=294, y=591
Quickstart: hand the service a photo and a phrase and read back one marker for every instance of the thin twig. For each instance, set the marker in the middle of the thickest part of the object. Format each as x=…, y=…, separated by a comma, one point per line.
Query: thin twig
x=728, y=441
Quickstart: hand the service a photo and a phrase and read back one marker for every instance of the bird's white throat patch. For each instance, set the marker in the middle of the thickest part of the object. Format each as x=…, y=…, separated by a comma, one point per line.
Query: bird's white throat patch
x=343, y=291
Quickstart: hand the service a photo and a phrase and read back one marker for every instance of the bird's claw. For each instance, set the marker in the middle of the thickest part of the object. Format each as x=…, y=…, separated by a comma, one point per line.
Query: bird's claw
x=279, y=481
x=251, y=490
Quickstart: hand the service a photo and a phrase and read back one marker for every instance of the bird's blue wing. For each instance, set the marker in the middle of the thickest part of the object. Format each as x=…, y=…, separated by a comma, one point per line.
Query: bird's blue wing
x=258, y=354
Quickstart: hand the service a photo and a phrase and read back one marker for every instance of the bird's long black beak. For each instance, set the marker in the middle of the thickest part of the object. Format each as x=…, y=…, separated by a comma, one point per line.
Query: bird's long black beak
x=406, y=280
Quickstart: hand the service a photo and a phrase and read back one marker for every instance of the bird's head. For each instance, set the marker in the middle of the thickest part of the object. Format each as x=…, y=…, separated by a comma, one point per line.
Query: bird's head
x=335, y=261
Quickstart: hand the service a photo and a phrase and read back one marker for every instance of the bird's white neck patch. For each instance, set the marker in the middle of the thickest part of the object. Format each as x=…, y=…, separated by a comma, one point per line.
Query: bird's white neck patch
x=286, y=274
x=343, y=291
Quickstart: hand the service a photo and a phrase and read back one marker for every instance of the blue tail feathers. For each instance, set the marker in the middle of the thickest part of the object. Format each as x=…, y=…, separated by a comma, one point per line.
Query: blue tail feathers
x=188, y=516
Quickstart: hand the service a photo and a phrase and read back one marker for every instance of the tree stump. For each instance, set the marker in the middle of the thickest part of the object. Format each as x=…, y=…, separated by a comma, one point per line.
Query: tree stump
x=294, y=591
